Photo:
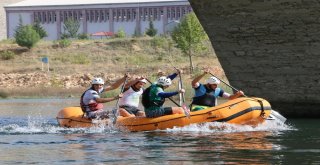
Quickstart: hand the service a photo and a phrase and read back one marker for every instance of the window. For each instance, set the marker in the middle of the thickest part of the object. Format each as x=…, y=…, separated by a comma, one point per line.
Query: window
x=91, y=16
x=44, y=17
x=50, y=15
x=54, y=17
x=107, y=15
x=102, y=16
x=134, y=14
x=97, y=16
x=129, y=15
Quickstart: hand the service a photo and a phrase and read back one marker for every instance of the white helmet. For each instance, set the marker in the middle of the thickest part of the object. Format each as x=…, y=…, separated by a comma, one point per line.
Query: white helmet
x=97, y=81
x=164, y=81
x=143, y=80
x=213, y=80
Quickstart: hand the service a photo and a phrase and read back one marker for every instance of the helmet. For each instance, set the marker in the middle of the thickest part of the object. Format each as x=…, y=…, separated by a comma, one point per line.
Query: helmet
x=143, y=80
x=164, y=81
x=213, y=80
x=97, y=81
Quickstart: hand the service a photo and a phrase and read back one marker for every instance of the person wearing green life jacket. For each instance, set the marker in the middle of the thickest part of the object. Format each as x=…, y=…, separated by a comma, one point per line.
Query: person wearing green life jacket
x=154, y=96
x=206, y=94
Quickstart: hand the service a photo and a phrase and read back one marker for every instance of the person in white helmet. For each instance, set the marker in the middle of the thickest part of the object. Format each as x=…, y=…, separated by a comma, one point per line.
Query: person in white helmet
x=206, y=94
x=91, y=102
x=129, y=103
x=154, y=96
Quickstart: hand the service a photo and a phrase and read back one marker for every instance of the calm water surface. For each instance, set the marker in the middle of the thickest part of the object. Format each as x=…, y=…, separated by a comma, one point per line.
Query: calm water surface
x=29, y=134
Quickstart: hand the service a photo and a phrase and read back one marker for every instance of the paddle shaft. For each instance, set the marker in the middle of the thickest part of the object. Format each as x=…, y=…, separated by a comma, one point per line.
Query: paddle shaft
x=182, y=102
x=226, y=83
x=116, y=111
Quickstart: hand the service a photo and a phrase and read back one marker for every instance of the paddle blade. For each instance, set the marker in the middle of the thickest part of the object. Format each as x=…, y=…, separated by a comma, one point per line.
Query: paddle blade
x=186, y=110
x=114, y=116
x=276, y=115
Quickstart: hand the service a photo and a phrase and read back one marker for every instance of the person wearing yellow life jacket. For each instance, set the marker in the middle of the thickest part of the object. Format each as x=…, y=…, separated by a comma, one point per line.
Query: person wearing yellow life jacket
x=91, y=102
x=206, y=94
x=129, y=103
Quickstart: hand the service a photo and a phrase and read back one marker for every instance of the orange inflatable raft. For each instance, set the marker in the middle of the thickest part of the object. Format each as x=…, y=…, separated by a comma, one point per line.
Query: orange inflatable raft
x=248, y=111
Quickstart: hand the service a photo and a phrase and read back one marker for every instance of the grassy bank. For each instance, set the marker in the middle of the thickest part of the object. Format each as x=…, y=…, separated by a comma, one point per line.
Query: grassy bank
x=109, y=57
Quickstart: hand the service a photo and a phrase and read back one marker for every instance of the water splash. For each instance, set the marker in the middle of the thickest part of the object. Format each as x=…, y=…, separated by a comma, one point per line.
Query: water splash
x=219, y=127
x=36, y=124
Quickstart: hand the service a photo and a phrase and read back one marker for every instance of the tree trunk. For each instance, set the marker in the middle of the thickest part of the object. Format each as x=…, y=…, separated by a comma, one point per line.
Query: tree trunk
x=191, y=62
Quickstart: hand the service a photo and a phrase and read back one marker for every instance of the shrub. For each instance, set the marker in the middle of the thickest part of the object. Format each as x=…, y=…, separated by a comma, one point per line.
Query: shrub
x=26, y=36
x=121, y=33
x=64, y=43
x=64, y=36
x=40, y=30
x=7, y=55
x=3, y=94
x=83, y=36
x=151, y=31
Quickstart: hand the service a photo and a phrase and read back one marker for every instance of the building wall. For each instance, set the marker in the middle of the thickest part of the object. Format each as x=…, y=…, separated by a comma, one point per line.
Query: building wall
x=269, y=49
x=13, y=21
x=108, y=19
x=3, y=20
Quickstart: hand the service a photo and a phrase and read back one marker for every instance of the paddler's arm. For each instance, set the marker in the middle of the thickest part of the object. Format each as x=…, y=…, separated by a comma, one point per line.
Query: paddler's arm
x=117, y=83
x=104, y=100
x=169, y=94
x=236, y=95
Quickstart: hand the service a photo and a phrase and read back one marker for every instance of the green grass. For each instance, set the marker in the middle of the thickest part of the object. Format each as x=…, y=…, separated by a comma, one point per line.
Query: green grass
x=143, y=56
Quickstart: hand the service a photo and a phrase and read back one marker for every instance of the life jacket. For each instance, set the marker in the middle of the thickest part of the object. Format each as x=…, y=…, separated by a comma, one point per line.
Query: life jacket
x=208, y=99
x=93, y=106
x=149, y=100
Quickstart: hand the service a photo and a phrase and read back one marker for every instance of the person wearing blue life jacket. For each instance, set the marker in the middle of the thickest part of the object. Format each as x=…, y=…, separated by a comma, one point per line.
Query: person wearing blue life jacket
x=154, y=96
x=206, y=94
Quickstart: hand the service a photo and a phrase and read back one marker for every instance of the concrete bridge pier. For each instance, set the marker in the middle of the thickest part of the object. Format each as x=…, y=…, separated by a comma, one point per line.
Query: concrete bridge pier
x=269, y=49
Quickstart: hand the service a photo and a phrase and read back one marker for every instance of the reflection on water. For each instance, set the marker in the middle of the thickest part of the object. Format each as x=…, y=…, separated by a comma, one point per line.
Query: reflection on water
x=29, y=134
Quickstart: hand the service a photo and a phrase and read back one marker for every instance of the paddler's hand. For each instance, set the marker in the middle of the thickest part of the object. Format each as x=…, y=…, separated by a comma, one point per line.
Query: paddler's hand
x=181, y=91
x=178, y=71
x=240, y=93
x=119, y=96
x=206, y=70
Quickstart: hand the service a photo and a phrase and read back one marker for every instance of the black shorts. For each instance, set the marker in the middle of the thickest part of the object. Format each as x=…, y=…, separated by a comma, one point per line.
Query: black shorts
x=130, y=109
x=158, y=111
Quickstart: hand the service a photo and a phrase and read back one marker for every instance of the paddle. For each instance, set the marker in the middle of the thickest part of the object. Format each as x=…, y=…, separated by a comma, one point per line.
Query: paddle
x=274, y=114
x=115, y=111
x=181, y=97
x=226, y=83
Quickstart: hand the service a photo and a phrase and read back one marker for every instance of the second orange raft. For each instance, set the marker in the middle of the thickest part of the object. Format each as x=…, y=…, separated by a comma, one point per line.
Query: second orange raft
x=248, y=111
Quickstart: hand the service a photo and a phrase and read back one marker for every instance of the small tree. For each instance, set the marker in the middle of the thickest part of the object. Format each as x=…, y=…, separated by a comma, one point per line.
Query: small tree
x=19, y=27
x=151, y=31
x=121, y=33
x=71, y=27
x=26, y=36
x=39, y=29
x=189, y=36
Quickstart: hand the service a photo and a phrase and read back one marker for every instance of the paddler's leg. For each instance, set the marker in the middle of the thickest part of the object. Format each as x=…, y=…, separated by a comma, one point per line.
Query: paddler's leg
x=177, y=110
x=125, y=113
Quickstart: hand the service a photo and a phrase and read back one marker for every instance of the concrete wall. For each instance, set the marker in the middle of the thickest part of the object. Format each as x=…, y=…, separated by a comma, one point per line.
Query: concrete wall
x=3, y=28
x=269, y=49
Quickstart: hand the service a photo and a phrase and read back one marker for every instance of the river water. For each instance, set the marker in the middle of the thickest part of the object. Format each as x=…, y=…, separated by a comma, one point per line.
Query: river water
x=29, y=134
